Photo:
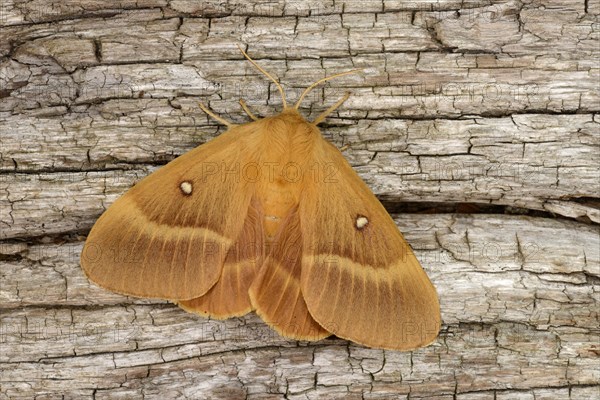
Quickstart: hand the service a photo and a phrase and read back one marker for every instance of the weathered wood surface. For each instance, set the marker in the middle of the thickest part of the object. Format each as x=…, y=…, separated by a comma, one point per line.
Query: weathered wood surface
x=484, y=111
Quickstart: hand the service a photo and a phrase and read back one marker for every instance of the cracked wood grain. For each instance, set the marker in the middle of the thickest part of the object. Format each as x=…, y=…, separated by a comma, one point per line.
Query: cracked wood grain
x=510, y=300
x=464, y=103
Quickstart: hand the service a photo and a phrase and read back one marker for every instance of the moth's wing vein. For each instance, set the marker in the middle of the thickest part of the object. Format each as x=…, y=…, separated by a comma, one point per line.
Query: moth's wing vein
x=173, y=256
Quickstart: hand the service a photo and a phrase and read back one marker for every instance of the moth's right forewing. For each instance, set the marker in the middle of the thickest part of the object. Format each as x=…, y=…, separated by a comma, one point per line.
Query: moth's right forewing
x=360, y=279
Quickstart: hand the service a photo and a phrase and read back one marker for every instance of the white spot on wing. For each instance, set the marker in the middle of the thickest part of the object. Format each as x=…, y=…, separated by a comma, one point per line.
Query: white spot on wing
x=186, y=187
x=361, y=222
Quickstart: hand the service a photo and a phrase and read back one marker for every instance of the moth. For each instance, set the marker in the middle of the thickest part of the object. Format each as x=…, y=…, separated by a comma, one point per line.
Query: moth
x=268, y=217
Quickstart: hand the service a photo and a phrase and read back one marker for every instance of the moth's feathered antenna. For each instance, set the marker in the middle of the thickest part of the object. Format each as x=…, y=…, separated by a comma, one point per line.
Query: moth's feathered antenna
x=215, y=116
x=331, y=109
x=247, y=110
x=311, y=87
x=266, y=74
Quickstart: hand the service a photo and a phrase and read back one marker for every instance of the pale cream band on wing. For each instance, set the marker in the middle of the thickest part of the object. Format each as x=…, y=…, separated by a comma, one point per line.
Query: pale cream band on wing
x=167, y=230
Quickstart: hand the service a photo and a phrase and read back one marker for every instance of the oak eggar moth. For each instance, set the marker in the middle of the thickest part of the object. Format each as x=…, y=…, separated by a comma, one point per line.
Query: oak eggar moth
x=268, y=217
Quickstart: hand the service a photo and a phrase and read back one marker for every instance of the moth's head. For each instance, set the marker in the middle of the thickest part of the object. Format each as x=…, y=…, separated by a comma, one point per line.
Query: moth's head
x=290, y=121
x=289, y=113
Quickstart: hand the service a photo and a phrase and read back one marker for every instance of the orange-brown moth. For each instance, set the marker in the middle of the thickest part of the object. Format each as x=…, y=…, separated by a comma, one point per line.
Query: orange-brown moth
x=268, y=217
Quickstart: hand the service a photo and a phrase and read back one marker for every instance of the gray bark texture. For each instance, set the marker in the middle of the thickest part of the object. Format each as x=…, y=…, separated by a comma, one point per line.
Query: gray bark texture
x=475, y=122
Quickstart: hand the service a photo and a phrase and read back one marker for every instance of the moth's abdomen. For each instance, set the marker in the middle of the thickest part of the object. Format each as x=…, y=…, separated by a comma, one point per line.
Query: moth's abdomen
x=277, y=199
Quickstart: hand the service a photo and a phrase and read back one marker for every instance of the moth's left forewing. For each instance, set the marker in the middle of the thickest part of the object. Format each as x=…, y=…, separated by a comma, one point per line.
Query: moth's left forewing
x=168, y=236
x=360, y=279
